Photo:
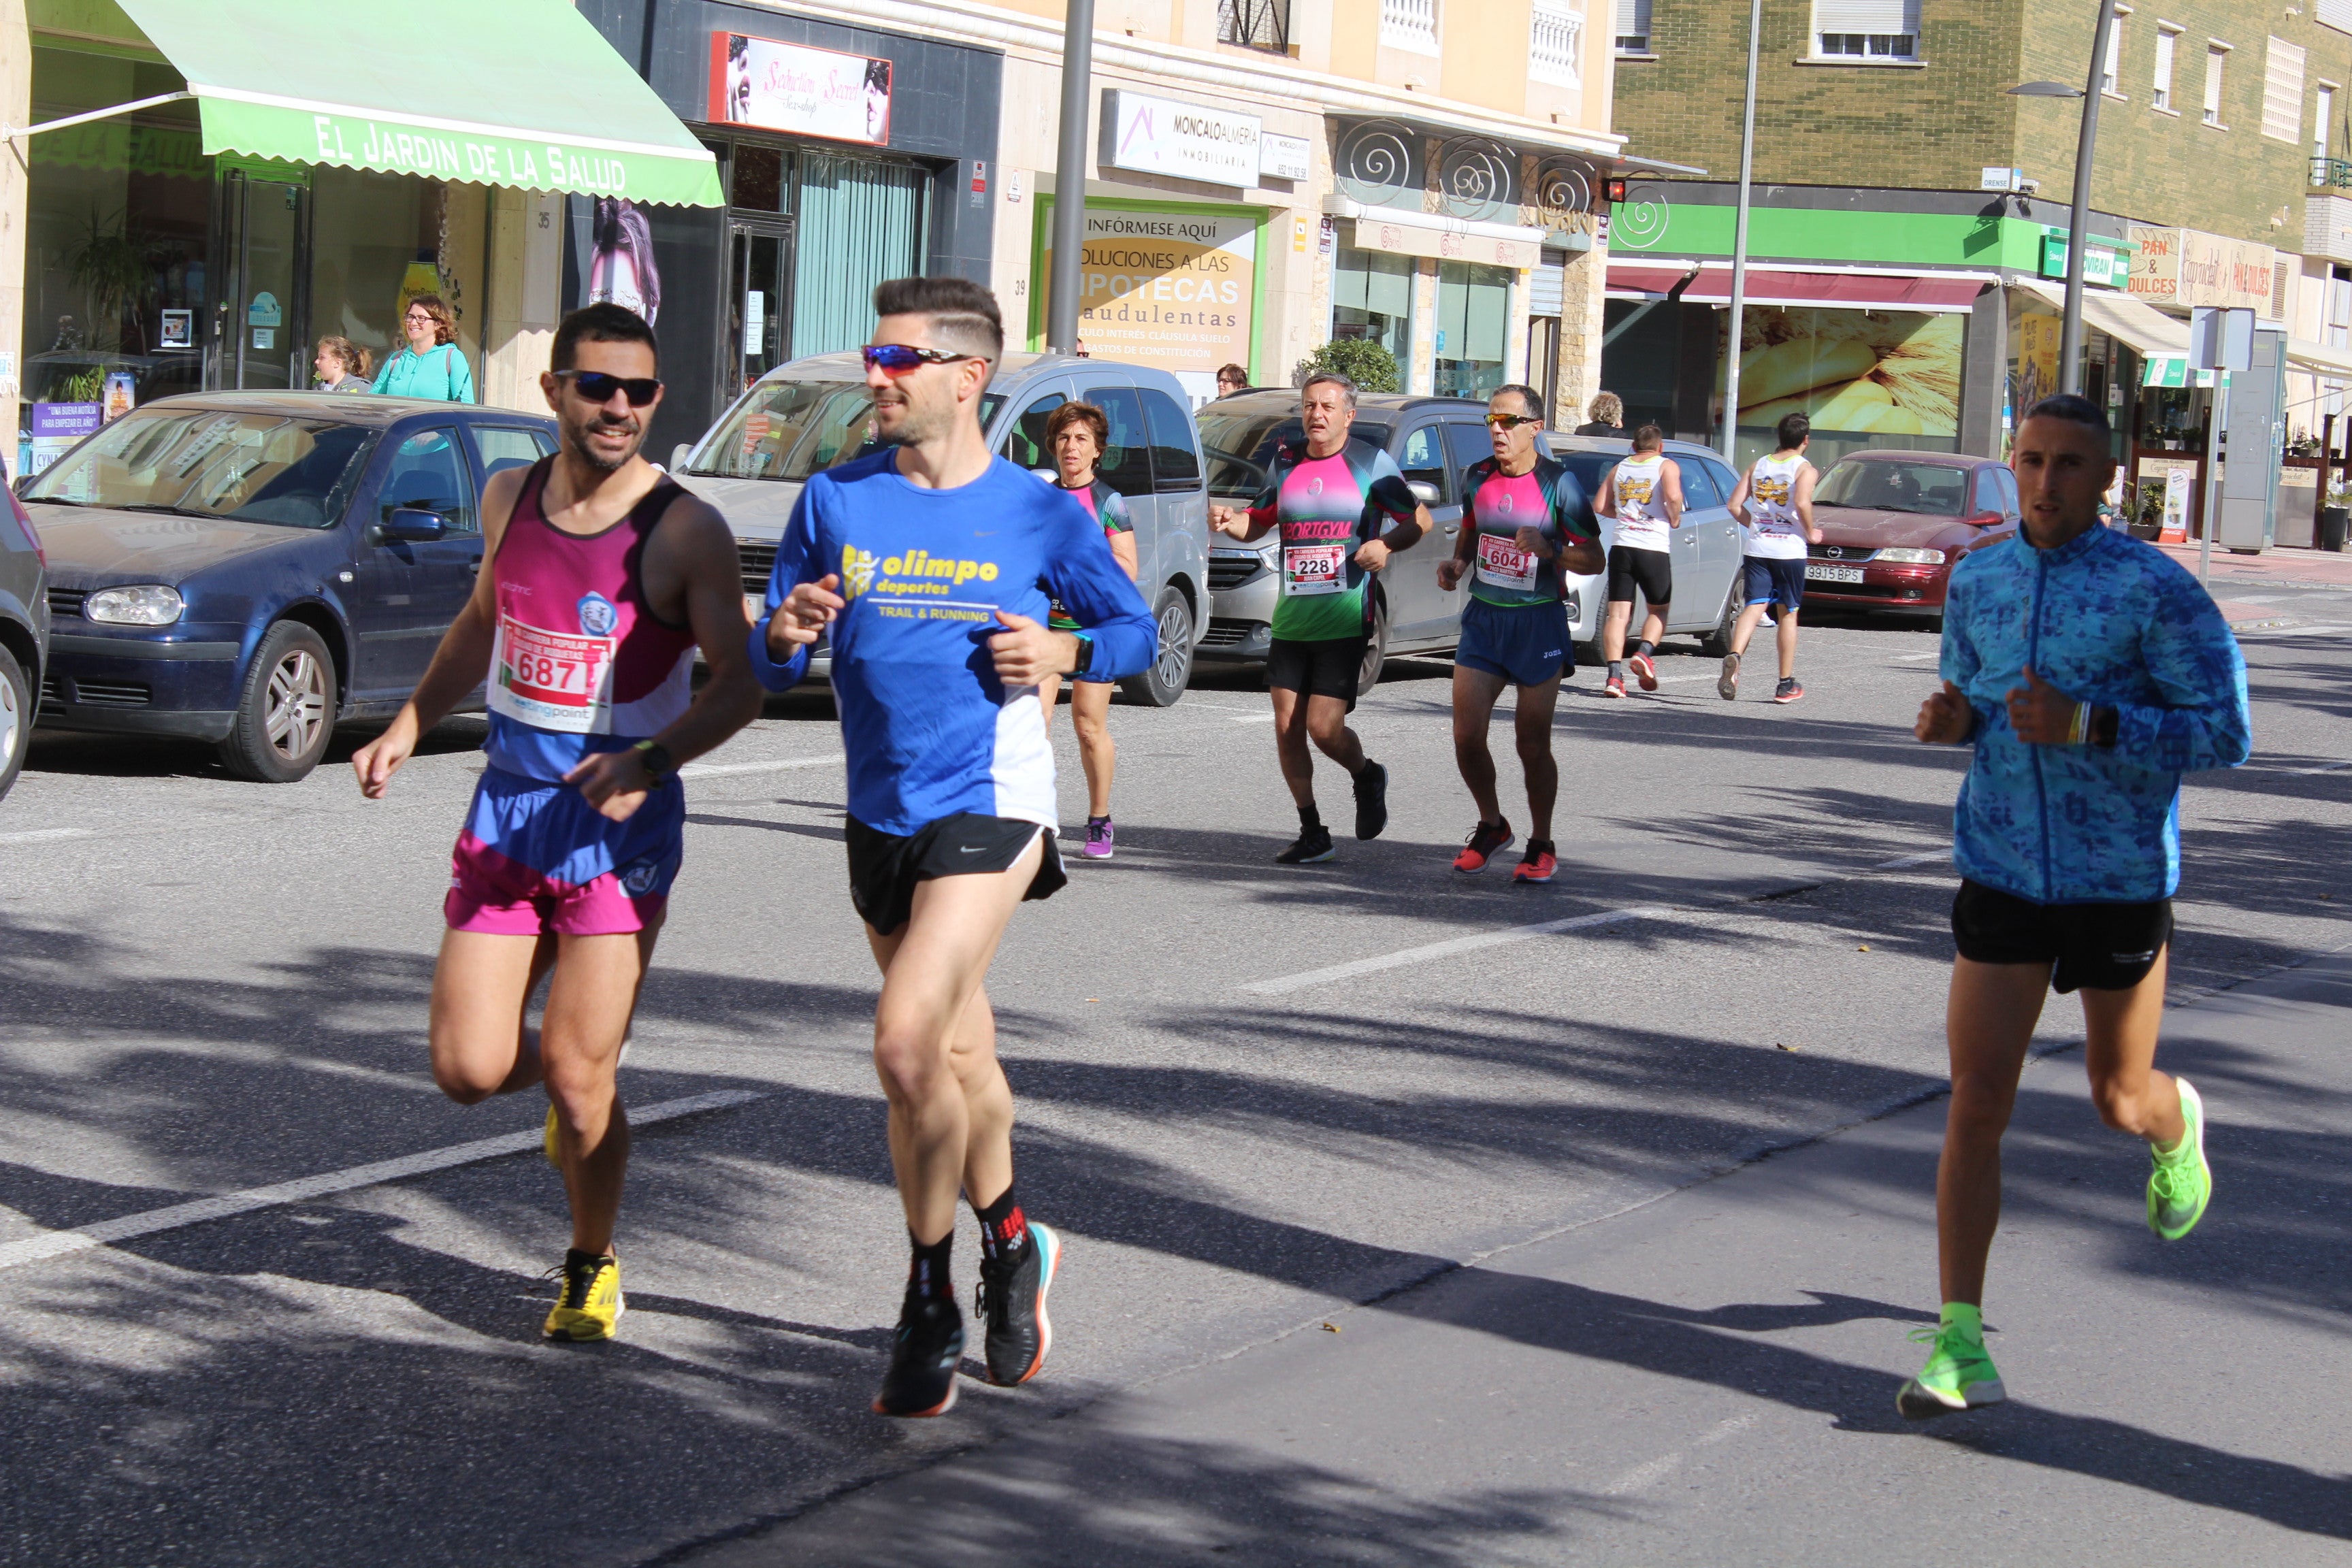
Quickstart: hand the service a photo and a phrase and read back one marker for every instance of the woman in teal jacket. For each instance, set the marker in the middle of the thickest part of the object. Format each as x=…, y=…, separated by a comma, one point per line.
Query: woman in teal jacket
x=431, y=365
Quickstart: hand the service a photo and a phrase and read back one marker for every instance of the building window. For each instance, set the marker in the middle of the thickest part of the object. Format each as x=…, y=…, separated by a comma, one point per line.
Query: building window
x=1371, y=298
x=1632, y=26
x=1255, y=24
x=2283, y=91
x=1474, y=318
x=2166, y=34
x=1409, y=24
x=1866, y=30
x=1556, y=45
x=2323, y=115
x=2111, y=64
x=2215, y=53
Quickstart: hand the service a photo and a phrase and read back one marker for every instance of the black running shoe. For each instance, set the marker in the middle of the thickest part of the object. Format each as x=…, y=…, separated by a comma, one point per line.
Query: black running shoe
x=1308, y=848
x=1371, y=801
x=1012, y=1298
x=922, y=1376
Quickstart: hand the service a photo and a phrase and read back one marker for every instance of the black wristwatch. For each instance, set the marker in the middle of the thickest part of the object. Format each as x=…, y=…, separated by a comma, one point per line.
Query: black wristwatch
x=1086, y=653
x=654, y=758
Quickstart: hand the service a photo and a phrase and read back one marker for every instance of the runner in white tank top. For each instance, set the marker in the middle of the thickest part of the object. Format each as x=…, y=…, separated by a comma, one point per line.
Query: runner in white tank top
x=1774, y=503
x=1644, y=495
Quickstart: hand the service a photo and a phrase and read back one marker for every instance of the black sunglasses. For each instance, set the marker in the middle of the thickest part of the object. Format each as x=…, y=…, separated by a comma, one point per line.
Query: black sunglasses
x=898, y=358
x=598, y=386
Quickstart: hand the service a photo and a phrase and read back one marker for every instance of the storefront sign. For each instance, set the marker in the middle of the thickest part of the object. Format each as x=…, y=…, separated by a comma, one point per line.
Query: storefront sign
x=790, y=87
x=1285, y=157
x=1429, y=237
x=1161, y=136
x=2189, y=267
x=56, y=426
x=178, y=331
x=1173, y=289
x=121, y=393
x=2102, y=265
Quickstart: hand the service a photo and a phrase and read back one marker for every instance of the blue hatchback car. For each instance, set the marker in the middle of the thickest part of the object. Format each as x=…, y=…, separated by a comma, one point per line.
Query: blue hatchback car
x=249, y=569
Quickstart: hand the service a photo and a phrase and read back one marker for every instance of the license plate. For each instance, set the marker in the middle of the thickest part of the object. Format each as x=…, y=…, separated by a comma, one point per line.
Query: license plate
x=1815, y=572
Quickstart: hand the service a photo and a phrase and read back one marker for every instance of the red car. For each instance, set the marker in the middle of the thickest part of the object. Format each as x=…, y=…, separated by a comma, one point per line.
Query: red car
x=1895, y=524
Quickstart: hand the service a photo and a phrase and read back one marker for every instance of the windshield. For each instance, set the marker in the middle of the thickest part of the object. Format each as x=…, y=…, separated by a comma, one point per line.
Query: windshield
x=255, y=467
x=1929, y=488
x=1238, y=446
x=790, y=429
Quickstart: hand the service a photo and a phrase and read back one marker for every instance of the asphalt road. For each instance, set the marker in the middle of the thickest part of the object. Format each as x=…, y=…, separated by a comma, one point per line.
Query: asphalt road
x=208, y=987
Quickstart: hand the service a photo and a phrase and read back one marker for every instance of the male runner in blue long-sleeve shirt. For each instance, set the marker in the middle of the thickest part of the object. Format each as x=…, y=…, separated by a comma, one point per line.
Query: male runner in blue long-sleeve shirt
x=934, y=565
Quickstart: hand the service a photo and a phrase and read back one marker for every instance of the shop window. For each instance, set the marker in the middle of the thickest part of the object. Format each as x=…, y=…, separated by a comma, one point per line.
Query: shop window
x=374, y=238
x=861, y=222
x=1175, y=465
x=1024, y=444
x=1126, y=463
x=756, y=181
x=1474, y=311
x=429, y=474
x=1371, y=298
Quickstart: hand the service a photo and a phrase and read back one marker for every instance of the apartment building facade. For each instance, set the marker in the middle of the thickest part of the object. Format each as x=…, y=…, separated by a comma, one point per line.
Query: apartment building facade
x=1907, y=204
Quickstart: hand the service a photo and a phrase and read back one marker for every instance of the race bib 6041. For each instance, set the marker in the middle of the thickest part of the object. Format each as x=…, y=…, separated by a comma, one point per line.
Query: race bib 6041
x=1502, y=562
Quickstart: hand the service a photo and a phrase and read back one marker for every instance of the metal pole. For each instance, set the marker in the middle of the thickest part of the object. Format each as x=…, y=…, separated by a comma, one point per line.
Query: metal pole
x=2078, y=237
x=2213, y=478
x=1070, y=177
x=1739, y=243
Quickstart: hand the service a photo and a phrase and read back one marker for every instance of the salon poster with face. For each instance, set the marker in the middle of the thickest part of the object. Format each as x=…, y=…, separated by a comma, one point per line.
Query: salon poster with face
x=790, y=87
x=622, y=268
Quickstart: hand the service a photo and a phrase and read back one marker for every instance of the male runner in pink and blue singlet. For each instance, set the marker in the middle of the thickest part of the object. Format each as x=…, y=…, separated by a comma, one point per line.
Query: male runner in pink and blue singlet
x=600, y=580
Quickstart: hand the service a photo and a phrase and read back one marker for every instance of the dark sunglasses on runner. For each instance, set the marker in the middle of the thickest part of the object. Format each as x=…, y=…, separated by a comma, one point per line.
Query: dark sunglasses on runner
x=1510, y=421
x=598, y=385
x=897, y=359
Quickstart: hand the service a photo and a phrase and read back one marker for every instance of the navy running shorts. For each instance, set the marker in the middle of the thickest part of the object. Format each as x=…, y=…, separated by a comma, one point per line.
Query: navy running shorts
x=2102, y=947
x=1764, y=580
x=1526, y=644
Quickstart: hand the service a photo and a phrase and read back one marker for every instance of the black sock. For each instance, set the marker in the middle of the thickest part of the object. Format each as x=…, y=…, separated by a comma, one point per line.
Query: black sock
x=1091, y=820
x=926, y=1276
x=1541, y=846
x=1617, y=670
x=1003, y=1229
x=1310, y=821
x=1646, y=647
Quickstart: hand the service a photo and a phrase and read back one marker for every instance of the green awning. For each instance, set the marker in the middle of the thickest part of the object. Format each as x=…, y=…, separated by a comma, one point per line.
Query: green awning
x=510, y=92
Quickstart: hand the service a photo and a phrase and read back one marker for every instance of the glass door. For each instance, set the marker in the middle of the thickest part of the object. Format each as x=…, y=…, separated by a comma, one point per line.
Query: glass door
x=260, y=316
x=758, y=271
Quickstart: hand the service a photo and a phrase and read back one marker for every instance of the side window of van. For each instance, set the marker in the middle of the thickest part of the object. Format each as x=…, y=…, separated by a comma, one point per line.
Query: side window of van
x=1126, y=464
x=1025, y=445
x=1423, y=462
x=1175, y=461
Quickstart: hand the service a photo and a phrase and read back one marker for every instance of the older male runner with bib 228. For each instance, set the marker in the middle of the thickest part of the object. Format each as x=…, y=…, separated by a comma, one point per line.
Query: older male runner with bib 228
x=1329, y=497
x=2087, y=671
x=1530, y=521
x=936, y=565
x=1774, y=503
x=601, y=578
x=1644, y=494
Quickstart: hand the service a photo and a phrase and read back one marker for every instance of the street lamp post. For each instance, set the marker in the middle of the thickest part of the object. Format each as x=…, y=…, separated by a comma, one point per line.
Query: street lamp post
x=1070, y=177
x=2086, y=143
x=1740, y=244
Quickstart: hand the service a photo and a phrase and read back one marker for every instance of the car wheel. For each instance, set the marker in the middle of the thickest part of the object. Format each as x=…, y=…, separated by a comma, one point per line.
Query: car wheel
x=15, y=718
x=1376, y=648
x=288, y=709
x=1717, y=643
x=1171, y=659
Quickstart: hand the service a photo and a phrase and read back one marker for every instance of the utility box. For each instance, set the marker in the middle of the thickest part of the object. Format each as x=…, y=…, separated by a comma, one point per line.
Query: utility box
x=2257, y=443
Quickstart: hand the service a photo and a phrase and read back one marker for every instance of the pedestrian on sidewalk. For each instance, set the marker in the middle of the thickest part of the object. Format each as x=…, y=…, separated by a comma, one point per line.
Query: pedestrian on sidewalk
x=1077, y=433
x=1774, y=504
x=2067, y=840
x=431, y=365
x=1605, y=416
x=342, y=365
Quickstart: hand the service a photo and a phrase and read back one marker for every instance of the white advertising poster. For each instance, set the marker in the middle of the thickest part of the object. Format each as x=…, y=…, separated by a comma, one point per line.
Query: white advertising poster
x=1161, y=136
x=790, y=87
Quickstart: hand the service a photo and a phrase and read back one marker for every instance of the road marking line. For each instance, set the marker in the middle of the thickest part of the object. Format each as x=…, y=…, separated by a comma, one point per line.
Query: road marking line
x=2321, y=768
x=2297, y=631
x=1644, y=1475
x=1900, y=861
x=1911, y=658
x=59, y=1243
x=1250, y=717
x=716, y=770
x=46, y=834
x=1275, y=988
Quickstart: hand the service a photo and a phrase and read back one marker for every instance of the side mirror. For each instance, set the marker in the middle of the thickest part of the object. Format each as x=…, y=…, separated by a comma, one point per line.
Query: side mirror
x=411, y=525
x=1987, y=519
x=678, y=454
x=1423, y=491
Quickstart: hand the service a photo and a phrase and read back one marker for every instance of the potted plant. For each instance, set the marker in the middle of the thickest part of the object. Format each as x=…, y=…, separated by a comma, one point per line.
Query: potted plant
x=1372, y=367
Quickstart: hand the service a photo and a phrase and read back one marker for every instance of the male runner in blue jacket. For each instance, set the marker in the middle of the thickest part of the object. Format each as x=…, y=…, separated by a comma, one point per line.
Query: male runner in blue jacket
x=2089, y=671
x=936, y=565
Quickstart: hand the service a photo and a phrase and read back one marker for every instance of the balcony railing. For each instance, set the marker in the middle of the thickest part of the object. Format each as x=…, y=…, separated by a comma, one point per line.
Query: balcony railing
x=1556, y=45
x=2331, y=173
x=1255, y=24
x=1409, y=24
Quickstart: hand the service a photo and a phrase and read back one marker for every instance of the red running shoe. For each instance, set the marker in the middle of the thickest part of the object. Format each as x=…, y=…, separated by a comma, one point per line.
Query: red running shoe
x=1538, y=864
x=1613, y=687
x=1486, y=841
x=1643, y=671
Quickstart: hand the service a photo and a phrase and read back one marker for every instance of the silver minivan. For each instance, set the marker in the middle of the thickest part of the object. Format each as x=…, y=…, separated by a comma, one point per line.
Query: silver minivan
x=1433, y=442
x=814, y=413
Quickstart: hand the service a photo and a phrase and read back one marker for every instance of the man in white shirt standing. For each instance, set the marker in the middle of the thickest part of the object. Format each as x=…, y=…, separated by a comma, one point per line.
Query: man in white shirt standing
x=1774, y=504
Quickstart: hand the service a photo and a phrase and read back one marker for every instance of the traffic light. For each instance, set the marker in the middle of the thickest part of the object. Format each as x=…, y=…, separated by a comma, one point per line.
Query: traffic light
x=1614, y=188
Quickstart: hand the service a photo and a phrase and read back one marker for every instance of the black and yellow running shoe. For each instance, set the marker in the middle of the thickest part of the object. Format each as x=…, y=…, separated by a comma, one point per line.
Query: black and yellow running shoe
x=591, y=1305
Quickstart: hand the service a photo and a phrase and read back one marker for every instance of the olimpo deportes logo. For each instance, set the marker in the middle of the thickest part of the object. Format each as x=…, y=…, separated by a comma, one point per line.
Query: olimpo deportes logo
x=856, y=570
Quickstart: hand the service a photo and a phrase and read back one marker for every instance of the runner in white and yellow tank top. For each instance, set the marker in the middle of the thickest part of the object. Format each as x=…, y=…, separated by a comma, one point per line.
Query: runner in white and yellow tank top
x=1774, y=502
x=1645, y=495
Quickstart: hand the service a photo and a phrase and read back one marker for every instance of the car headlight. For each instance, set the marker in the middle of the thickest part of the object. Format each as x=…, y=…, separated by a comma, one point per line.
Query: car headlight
x=1903, y=557
x=145, y=606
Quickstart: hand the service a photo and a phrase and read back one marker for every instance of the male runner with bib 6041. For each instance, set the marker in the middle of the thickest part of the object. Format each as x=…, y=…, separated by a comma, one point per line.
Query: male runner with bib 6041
x=601, y=577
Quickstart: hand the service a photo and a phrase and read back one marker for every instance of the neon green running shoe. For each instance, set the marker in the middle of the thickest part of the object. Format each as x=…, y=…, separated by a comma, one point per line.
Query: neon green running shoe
x=2183, y=1182
x=1959, y=1375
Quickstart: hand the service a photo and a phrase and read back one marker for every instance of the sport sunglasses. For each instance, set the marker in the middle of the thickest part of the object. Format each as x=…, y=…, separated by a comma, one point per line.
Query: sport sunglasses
x=896, y=359
x=1510, y=421
x=598, y=386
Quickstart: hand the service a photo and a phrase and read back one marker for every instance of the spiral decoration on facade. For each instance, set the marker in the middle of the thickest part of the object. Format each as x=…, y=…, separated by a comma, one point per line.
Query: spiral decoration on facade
x=1478, y=180
x=1375, y=162
x=1563, y=190
x=1641, y=218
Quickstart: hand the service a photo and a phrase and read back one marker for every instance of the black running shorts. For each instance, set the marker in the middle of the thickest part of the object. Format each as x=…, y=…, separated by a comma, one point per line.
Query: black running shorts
x=1329, y=667
x=884, y=867
x=2100, y=947
x=1652, y=570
